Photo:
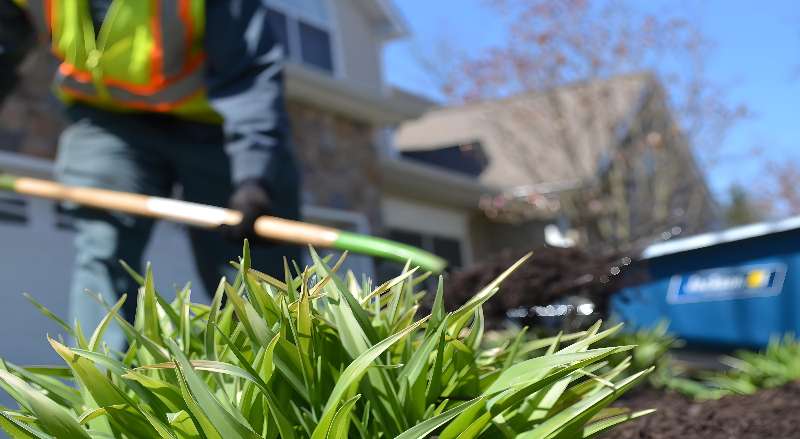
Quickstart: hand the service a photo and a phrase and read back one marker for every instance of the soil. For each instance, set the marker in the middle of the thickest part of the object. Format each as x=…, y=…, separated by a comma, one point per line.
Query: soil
x=772, y=413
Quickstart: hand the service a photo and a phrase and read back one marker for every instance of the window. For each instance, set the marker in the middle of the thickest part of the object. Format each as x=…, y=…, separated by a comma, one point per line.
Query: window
x=277, y=24
x=315, y=45
x=13, y=210
x=310, y=10
x=449, y=249
x=467, y=158
x=410, y=238
x=304, y=29
x=64, y=220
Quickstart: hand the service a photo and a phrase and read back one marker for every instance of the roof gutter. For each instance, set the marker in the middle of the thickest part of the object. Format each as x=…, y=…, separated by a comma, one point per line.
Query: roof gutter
x=386, y=106
x=406, y=178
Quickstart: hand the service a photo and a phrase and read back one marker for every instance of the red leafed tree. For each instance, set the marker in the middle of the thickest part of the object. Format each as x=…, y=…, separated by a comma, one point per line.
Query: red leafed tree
x=553, y=43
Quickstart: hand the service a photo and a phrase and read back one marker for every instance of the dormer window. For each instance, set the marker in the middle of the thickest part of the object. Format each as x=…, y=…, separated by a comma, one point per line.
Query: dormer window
x=304, y=28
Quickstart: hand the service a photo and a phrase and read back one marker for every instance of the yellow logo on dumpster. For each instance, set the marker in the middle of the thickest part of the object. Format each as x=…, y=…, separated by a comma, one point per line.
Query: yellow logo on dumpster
x=757, y=279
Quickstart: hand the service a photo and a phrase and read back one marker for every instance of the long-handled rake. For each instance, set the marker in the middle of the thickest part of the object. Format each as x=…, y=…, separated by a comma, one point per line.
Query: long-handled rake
x=201, y=215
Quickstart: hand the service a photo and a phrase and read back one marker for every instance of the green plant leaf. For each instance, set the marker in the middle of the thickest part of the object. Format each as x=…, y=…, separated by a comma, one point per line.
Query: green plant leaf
x=55, y=419
x=57, y=390
x=151, y=320
x=49, y=314
x=352, y=374
x=463, y=313
x=595, y=429
x=526, y=371
x=429, y=425
x=464, y=419
x=102, y=390
x=340, y=426
x=20, y=430
x=224, y=423
x=578, y=414
x=101, y=329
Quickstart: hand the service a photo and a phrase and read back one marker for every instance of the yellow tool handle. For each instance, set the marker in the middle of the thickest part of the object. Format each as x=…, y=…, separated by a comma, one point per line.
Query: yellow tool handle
x=195, y=214
x=201, y=215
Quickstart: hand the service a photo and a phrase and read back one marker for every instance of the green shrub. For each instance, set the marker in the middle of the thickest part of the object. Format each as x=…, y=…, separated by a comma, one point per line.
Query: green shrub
x=319, y=356
x=653, y=346
x=748, y=372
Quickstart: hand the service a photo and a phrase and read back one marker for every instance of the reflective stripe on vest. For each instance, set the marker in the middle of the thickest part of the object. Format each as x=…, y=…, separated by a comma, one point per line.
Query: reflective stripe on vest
x=149, y=54
x=164, y=100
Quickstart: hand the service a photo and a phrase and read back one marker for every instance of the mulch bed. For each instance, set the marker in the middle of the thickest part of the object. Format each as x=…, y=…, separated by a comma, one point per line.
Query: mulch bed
x=550, y=275
x=773, y=413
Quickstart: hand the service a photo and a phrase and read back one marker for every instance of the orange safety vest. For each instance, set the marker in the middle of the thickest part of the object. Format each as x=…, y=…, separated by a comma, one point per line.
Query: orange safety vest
x=147, y=56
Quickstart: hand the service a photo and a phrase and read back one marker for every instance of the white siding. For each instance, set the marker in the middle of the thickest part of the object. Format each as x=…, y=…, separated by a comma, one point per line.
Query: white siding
x=359, y=45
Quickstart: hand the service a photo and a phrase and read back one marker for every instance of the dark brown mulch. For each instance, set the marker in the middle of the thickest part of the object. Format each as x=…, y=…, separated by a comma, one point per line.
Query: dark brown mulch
x=550, y=275
x=773, y=413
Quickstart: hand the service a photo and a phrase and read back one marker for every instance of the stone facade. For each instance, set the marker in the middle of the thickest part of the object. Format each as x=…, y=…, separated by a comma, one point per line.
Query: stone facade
x=30, y=120
x=339, y=161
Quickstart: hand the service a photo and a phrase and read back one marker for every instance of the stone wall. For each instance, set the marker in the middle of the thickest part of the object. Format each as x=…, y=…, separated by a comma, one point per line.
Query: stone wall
x=339, y=161
x=30, y=120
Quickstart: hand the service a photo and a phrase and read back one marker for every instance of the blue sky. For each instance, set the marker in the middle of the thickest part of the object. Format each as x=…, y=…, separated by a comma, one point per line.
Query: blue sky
x=756, y=56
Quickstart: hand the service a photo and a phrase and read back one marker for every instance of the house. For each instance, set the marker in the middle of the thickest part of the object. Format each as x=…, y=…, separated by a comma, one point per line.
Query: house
x=342, y=114
x=615, y=139
x=375, y=159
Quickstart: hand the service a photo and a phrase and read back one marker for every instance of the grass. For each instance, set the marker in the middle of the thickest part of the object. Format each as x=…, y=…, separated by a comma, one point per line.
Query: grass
x=316, y=355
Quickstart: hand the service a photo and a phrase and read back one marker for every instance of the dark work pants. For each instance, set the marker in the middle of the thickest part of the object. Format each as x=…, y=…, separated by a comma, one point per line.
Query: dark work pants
x=151, y=155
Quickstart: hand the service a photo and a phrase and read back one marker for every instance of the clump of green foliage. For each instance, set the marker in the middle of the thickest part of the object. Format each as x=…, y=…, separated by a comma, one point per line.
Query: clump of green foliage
x=748, y=372
x=653, y=347
x=316, y=356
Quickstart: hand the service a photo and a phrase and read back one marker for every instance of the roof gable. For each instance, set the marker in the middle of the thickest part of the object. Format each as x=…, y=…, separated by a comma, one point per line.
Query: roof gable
x=524, y=136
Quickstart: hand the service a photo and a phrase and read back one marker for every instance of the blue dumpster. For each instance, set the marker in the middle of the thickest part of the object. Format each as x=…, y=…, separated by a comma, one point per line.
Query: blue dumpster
x=731, y=289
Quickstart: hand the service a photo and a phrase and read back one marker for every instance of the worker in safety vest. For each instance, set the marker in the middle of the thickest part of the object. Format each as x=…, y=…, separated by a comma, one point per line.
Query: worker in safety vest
x=160, y=93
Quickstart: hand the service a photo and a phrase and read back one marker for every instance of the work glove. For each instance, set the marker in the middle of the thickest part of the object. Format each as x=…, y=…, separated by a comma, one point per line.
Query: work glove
x=252, y=199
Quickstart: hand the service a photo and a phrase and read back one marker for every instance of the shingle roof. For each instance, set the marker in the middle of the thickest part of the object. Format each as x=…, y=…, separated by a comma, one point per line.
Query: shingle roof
x=521, y=136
